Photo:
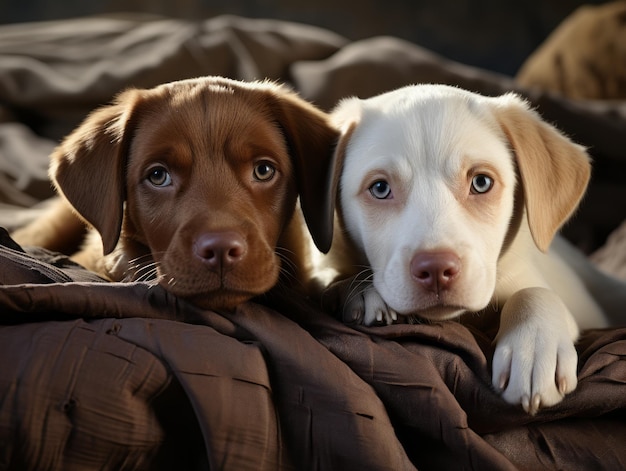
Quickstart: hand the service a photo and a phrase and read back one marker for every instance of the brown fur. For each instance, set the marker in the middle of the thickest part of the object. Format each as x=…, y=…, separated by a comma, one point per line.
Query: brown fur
x=210, y=236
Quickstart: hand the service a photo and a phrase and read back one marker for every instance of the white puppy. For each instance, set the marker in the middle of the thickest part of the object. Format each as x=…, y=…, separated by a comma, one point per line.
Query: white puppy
x=452, y=199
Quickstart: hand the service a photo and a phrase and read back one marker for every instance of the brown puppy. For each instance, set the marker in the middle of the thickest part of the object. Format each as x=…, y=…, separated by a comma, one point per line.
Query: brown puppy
x=193, y=183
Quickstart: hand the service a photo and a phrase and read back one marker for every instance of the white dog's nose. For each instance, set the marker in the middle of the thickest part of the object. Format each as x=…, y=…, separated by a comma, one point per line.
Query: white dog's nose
x=435, y=271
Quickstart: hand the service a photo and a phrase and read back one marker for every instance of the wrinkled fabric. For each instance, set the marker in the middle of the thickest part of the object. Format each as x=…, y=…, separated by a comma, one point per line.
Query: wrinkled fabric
x=99, y=375
x=265, y=393
x=88, y=368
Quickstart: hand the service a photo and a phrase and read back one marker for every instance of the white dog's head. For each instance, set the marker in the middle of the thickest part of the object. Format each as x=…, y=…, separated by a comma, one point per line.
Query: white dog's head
x=427, y=185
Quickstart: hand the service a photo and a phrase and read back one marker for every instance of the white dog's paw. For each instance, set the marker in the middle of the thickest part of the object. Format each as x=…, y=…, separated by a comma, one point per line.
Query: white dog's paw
x=358, y=302
x=535, y=362
x=534, y=369
x=375, y=310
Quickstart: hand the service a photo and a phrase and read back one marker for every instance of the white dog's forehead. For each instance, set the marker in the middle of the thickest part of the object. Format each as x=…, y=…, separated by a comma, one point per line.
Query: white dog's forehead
x=427, y=130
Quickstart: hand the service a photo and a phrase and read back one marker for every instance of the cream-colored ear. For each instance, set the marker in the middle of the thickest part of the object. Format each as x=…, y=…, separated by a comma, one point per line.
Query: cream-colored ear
x=554, y=170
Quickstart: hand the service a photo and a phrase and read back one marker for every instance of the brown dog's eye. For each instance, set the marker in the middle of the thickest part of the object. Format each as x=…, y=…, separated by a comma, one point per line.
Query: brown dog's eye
x=159, y=176
x=481, y=184
x=264, y=171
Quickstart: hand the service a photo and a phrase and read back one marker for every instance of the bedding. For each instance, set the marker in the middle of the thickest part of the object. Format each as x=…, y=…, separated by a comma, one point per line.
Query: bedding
x=100, y=375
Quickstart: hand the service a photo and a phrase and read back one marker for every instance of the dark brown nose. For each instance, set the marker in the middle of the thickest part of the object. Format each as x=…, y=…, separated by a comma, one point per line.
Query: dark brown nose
x=435, y=271
x=220, y=250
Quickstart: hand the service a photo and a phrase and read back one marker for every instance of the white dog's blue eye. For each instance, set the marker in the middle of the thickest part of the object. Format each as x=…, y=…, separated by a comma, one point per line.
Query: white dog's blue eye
x=380, y=190
x=481, y=183
x=264, y=171
x=159, y=176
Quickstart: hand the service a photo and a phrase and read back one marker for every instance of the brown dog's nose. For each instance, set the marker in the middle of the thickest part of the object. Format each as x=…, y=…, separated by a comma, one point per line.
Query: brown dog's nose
x=220, y=249
x=435, y=271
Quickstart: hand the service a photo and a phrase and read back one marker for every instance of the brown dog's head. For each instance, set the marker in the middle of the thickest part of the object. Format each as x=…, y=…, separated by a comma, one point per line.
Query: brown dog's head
x=200, y=178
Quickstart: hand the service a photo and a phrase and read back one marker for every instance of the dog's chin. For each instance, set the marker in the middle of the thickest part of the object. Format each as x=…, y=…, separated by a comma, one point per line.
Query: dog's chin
x=211, y=293
x=429, y=307
x=219, y=301
x=437, y=313
x=439, y=310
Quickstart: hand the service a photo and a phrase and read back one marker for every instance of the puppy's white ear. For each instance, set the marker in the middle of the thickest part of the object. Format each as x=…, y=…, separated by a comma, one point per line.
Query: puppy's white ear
x=554, y=170
x=88, y=167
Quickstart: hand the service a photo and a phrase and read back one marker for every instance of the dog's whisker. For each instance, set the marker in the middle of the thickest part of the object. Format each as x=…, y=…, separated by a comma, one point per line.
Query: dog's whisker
x=289, y=278
x=146, y=268
x=286, y=260
x=143, y=272
x=148, y=277
x=357, y=290
x=288, y=264
x=285, y=250
x=285, y=272
x=359, y=284
x=365, y=276
x=288, y=267
x=140, y=260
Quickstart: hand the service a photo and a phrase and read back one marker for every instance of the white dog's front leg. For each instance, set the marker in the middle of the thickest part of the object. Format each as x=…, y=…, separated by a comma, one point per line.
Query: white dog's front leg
x=535, y=360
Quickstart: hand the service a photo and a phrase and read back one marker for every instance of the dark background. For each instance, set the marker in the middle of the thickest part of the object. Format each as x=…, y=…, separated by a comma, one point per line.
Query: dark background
x=493, y=34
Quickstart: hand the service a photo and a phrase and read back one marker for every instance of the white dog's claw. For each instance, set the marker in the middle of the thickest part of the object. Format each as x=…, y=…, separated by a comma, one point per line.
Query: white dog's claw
x=353, y=311
x=388, y=315
x=531, y=406
x=375, y=309
x=353, y=316
x=503, y=381
x=501, y=369
x=535, y=404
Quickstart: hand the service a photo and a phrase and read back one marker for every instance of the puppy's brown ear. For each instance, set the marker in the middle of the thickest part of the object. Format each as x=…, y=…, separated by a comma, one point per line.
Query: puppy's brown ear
x=88, y=167
x=311, y=139
x=554, y=170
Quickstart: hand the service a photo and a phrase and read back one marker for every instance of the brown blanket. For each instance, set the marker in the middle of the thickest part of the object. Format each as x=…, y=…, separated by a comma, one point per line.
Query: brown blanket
x=97, y=375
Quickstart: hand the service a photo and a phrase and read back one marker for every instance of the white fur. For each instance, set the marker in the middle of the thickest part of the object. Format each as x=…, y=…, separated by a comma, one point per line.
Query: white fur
x=427, y=142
